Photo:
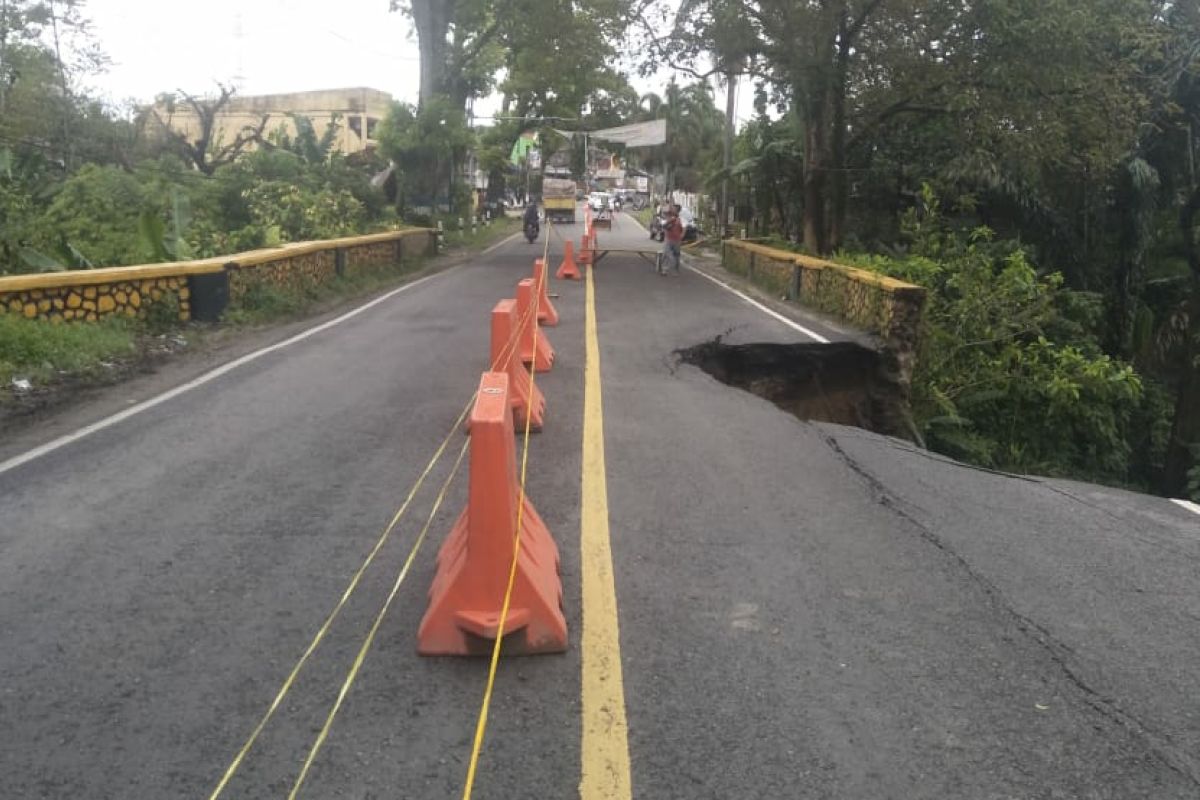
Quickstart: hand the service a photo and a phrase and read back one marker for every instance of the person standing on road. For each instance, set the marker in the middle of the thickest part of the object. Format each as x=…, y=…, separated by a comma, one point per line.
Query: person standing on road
x=673, y=236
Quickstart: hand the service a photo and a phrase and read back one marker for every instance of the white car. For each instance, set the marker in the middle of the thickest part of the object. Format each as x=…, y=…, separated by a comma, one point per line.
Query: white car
x=599, y=200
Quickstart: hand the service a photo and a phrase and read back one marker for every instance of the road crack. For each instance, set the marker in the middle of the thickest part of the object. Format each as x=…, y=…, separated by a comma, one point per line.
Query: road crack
x=1157, y=743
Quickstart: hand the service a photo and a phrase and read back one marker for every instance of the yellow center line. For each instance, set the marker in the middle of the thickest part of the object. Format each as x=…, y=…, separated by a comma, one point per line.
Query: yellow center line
x=605, y=750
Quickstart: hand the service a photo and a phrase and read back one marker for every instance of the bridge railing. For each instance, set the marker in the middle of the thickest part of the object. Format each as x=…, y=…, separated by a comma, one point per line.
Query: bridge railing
x=202, y=289
x=884, y=307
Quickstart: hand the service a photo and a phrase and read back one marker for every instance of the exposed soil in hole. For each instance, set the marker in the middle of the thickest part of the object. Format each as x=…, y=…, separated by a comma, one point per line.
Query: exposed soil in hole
x=840, y=382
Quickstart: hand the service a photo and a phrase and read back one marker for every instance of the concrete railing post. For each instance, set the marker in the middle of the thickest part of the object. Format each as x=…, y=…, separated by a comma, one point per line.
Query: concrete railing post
x=209, y=294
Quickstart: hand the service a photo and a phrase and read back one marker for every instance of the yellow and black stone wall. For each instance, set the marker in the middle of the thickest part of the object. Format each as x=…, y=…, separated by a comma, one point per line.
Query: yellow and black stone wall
x=202, y=289
x=128, y=298
x=297, y=272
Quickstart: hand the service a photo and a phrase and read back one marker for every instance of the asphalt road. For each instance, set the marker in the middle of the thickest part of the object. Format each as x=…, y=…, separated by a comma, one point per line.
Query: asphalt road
x=805, y=610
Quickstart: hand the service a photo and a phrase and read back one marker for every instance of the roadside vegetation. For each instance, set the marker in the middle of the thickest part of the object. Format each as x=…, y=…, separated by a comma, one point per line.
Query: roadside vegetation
x=1011, y=372
x=37, y=351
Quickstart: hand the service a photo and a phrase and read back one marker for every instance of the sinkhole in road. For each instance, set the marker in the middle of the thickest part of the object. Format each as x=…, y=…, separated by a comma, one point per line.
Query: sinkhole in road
x=840, y=382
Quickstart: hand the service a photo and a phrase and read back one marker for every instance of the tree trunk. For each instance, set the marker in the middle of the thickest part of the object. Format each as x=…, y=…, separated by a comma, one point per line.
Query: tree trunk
x=432, y=21
x=815, y=146
x=68, y=148
x=838, y=178
x=727, y=151
x=1185, y=430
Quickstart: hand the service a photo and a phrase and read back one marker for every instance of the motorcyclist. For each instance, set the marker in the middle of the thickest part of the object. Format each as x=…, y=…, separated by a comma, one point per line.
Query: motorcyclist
x=531, y=219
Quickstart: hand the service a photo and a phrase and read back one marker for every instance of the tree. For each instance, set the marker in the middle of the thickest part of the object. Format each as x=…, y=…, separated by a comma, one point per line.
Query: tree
x=206, y=151
x=465, y=43
x=423, y=143
x=1181, y=115
x=694, y=128
x=1007, y=91
x=37, y=103
x=459, y=45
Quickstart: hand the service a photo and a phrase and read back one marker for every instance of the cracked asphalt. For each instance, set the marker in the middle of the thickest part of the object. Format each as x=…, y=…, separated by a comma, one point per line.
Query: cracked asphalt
x=806, y=610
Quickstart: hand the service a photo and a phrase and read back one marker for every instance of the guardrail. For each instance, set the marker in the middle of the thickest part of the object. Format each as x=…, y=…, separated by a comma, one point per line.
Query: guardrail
x=876, y=304
x=204, y=288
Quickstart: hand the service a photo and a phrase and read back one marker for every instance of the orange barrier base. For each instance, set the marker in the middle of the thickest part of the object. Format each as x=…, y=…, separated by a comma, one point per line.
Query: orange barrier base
x=524, y=395
x=547, y=313
x=468, y=590
x=567, y=270
x=533, y=347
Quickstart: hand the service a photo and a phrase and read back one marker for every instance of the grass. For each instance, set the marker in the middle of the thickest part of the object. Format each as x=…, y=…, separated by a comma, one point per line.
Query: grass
x=644, y=216
x=38, y=350
x=483, y=236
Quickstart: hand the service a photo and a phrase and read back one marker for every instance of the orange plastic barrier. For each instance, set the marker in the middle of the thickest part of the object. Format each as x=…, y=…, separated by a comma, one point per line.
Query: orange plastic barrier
x=547, y=313
x=524, y=396
x=473, y=564
x=568, y=270
x=533, y=346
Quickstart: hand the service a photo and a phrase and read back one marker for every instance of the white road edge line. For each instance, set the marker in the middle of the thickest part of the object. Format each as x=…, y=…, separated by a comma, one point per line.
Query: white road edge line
x=1188, y=504
x=769, y=312
x=501, y=243
x=121, y=416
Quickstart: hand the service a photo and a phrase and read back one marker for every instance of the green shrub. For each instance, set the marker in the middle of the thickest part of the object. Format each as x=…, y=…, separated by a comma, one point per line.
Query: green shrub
x=1009, y=374
x=162, y=314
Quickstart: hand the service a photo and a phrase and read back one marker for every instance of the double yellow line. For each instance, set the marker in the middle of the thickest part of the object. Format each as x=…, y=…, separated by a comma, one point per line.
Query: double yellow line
x=605, y=747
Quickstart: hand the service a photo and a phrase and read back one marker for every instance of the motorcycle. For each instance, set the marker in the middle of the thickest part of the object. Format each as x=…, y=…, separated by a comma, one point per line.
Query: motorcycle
x=691, y=232
x=657, y=231
x=532, y=229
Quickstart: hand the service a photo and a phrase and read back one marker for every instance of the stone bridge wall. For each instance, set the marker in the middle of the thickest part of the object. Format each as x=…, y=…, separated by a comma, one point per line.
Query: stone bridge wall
x=203, y=289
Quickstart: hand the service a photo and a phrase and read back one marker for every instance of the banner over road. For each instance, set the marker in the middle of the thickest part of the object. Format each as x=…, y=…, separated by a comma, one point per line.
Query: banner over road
x=639, y=134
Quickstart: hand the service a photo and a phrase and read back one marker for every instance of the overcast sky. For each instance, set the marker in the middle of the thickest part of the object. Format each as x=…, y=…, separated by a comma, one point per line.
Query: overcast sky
x=271, y=45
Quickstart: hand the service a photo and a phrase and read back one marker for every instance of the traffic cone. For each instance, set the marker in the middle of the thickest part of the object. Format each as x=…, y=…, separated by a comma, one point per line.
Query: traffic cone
x=533, y=347
x=524, y=396
x=473, y=564
x=547, y=313
x=567, y=270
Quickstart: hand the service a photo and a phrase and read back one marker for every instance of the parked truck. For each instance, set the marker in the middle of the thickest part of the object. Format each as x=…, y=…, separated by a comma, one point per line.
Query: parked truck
x=558, y=198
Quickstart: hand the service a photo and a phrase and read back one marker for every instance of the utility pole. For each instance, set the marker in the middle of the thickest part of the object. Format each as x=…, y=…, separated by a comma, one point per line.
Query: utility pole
x=3, y=55
x=68, y=149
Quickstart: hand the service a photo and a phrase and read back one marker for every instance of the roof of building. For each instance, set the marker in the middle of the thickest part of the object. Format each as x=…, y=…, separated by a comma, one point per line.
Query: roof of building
x=352, y=99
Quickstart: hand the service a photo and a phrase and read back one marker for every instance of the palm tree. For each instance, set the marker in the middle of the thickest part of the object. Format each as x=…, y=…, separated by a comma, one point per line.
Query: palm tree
x=693, y=126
